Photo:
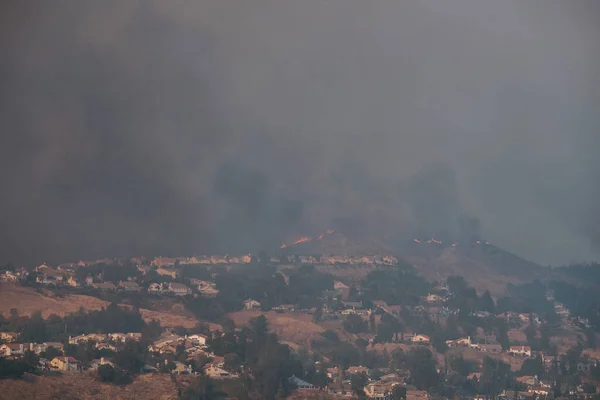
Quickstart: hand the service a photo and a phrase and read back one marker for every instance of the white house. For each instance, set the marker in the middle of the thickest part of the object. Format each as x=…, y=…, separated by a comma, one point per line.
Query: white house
x=423, y=339
x=9, y=336
x=179, y=289
x=299, y=383
x=197, y=339
x=214, y=371
x=251, y=304
x=520, y=351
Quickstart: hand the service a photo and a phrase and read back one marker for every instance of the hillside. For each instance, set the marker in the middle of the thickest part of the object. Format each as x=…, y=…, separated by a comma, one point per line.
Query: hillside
x=84, y=387
x=485, y=266
x=27, y=300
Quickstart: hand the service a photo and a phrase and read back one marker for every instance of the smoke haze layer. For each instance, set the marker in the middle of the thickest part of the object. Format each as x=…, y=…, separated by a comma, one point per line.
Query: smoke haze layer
x=177, y=127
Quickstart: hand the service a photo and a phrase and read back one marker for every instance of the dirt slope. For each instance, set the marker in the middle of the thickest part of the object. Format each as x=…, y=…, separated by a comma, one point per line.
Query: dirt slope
x=82, y=386
x=27, y=300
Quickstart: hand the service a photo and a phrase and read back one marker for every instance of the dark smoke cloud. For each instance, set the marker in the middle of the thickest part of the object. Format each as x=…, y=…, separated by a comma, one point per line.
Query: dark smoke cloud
x=177, y=127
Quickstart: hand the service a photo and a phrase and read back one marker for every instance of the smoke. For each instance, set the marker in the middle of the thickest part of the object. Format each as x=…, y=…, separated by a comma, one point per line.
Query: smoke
x=178, y=127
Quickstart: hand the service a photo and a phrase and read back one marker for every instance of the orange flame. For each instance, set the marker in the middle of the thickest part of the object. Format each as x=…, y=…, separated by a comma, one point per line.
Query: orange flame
x=320, y=236
x=303, y=239
x=283, y=246
x=416, y=241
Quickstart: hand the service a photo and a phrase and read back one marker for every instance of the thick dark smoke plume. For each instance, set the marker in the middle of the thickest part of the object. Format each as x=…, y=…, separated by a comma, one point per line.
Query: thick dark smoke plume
x=174, y=127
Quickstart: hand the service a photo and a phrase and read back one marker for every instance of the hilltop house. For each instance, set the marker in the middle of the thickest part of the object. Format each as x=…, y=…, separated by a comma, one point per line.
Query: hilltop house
x=65, y=364
x=129, y=286
x=95, y=364
x=155, y=288
x=179, y=289
x=105, y=286
x=167, y=272
x=422, y=339
x=9, y=336
x=356, y=370
x=181, y=368
x=216, y=371
x=13, y=349
x=488, y=348
x=38, y=348
x=520, y=351
x=251, y=304
x=464, y=341
x=197, y=339
x=299, y=383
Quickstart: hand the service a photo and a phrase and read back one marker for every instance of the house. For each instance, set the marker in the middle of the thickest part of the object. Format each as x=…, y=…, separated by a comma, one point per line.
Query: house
x=481, y=314
x=39, y=348
x=105, y=286
x=299, y=383
x=377, y=391
x=520, y=351
x=89, y=280
x=167, y=272
x=155, y=288
x=179, y=289
x=13, y=349
x=118, y=337
x=9, y=276
x=214, y=371
x=488, y=348
x=379, y=304
x=333, y=373
x=460, y=342
x=73, y=282
x=128, y=286
x=95, y=364
x=163, y=262
x=181, y=369
x=65, y=364
x=251, y=304
x=106, y=346
x=352, y=304
x=9, y=336
x=197, y=339
x=355, y=370
x=134, y=336
x=434, y=298
x=207, y=289
x=423, y=339
x=96, y=337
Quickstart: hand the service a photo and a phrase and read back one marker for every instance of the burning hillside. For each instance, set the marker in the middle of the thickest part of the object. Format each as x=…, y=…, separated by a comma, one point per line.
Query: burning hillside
x=306, y=239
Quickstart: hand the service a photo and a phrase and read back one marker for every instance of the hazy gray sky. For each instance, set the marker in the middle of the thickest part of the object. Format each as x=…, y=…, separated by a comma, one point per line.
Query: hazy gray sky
x=171, y=127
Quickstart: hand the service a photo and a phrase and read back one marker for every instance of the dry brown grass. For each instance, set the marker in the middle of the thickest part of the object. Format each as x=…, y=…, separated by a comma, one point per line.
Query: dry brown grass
x=517, y=336
x=292, y=327
x=28, y=300
x=477, y=357
x=84, y=387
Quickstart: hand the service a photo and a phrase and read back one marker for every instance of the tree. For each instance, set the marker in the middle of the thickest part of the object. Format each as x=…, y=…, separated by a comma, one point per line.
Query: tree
x=354, y=324
x=131, y=357
x=486, y=303
x=421, y=365
x=358, y=383
x=532, y=367
x=51, y=353
x=201, y=389
x=318, y=315
x=106, y=373
x=494, y=376
x=399, y=392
